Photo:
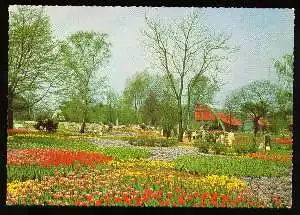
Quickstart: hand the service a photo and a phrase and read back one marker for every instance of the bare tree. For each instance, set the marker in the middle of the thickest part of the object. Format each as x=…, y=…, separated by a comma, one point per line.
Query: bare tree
x=185, y=51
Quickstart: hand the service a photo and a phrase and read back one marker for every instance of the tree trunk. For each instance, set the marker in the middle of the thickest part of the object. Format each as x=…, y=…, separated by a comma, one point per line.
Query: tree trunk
x=10, y=116
x=188, y=109
x=82, y=127
x=83, y=121
x=180, y=135
x=255, y=124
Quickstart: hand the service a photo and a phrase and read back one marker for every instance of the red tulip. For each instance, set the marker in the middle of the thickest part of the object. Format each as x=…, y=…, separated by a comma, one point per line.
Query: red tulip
x=97, y=203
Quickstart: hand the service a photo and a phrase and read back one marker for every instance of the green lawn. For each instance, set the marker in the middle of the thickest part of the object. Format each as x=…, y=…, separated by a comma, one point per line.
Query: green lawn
x=233, y=166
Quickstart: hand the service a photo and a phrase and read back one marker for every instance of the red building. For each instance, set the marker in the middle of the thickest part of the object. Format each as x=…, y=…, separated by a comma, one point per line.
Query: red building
x=204, y=113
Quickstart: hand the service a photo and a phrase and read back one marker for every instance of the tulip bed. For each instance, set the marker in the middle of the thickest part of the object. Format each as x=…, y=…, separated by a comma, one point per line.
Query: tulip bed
x=54, y=170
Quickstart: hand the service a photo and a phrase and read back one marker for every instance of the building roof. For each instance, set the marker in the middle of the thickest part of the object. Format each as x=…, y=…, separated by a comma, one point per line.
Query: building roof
x=229, y=119
x=204, y=113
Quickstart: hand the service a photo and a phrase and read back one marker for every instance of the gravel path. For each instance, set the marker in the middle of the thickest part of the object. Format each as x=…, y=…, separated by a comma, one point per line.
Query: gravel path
x=268, y=187
x=158, y=153
x=264, y=187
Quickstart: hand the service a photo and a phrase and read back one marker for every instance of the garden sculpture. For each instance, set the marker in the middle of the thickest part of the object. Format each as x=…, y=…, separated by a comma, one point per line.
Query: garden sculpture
x=203, y=135
x=261, y=146
x=222, y=139
x=194, y=135
x=230, y=138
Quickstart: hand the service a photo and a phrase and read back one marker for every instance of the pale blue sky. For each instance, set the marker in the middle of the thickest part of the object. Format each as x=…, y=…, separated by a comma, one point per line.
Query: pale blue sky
x=262, y=34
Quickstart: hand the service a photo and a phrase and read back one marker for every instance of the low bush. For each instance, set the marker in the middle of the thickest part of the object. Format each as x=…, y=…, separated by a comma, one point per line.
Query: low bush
x=152, y=141
x=231, y=166
x=48, y=125
x=217, y=148
x=245, y=148
x=143, y=126
x=202, y=145
x=110, y=127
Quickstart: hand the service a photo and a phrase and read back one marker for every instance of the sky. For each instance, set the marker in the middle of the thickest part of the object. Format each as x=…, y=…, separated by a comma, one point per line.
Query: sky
x=262, y=35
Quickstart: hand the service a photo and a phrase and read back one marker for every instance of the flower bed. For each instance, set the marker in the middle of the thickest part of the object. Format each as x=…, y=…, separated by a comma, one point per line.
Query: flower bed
x=15, y=131
x=283, y=141
x=41, y=172
x=50, y=157
x=105, y=188
x=264, y=156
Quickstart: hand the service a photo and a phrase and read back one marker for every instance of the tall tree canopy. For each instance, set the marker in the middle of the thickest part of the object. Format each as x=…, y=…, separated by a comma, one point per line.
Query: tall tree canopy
x=285, y=72
x=136, y=88
x=184, y=51
x=83, y=55
x=255, y=100
x=34, y=68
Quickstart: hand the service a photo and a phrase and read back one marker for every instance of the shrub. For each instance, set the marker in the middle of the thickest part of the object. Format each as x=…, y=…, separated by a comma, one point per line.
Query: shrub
x=47, y=124
x=143, y=126
x=202, y=145
x=152, y=141
x=219, y=148
x=244, y=148
x=110, y=127
x=241, y=148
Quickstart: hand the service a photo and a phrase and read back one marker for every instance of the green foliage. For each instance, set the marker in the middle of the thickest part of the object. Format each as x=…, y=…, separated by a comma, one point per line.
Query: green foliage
x=153, y=141
x=203, y=146
x=34, y=63
x=126, y=153
x=71, y=110
x=277, y=148
x=30, y=32
x=83, y=54
x=231, y=166
x=26, y=172
x=136, y=89
x=19, y=142
x=245, y=148
x=150, y=109
x=218, y=148
x=127, y=115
